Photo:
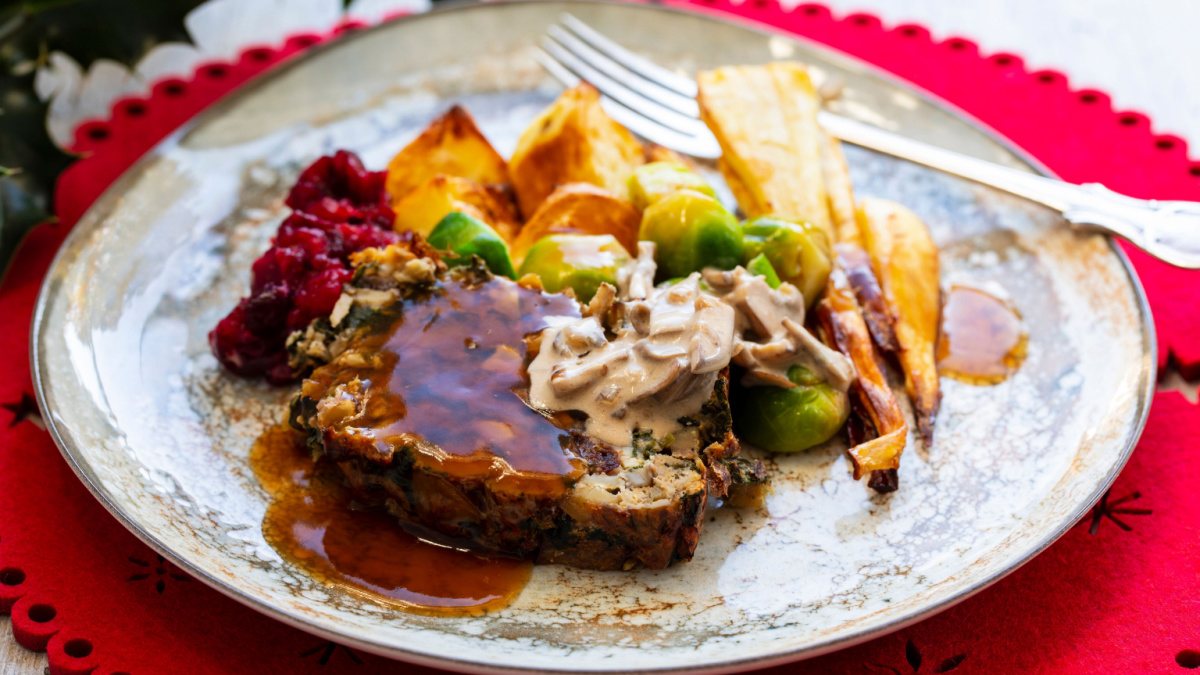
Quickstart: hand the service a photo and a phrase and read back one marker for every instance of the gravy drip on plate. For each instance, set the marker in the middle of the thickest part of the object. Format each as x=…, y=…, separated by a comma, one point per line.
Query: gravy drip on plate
x=313, y=523
x=983, y=339
x=447, y=379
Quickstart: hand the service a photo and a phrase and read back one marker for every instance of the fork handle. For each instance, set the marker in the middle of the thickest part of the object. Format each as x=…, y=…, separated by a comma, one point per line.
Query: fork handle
x=1167, y=230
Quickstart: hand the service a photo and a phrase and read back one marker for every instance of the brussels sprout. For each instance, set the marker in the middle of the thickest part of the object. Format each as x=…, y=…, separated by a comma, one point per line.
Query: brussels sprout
x=651, y=182
x=465, y=236
x=799, y=251
x=790, y=420
x=760, y=266
x=580, y=261
x=692, y=231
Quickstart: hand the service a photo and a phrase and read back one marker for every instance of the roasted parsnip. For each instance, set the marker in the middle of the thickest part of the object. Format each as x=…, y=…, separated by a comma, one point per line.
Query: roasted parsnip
x=765, y=118
x=451, y=145
x=906, y=263
x=854, y=259
x=848, y=326
x=845, y=330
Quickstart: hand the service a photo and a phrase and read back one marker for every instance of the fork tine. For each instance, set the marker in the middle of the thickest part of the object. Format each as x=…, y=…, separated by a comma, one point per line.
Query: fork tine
x=556, y=69
x=647, y=69
x=627, y=97
x=651, y=90
x=703, y=146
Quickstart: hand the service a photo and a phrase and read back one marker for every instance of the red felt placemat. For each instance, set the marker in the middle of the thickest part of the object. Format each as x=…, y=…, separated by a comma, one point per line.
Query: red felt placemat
x=1120, y=592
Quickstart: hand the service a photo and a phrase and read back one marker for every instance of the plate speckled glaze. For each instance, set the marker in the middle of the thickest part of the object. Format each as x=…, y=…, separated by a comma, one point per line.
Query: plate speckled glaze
x=160, y=434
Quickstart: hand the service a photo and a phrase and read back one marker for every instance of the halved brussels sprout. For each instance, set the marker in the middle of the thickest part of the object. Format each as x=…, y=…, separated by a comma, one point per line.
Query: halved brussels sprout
x=692, y=231
x=799, y=251
x=760, y=266
x=790, y=420
x=580, y=261
x=465, y=236
x=651, y=182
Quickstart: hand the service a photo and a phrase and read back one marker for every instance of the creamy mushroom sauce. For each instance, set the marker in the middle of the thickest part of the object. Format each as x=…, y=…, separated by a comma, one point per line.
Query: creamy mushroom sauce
x=659, y=363
x=770, y=336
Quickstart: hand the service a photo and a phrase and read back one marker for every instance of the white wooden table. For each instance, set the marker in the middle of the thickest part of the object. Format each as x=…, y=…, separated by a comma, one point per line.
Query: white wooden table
x=1142, y=53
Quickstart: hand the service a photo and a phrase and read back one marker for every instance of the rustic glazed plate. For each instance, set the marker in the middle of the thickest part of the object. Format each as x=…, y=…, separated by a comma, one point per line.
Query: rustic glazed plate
x=161, y=435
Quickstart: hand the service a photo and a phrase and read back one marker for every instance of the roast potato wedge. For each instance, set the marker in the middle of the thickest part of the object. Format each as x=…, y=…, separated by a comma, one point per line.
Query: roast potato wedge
x=765, y=118
x=580, y=208
x=906, y=263
x=573, y=141
x=424, y=207
x=451, y=145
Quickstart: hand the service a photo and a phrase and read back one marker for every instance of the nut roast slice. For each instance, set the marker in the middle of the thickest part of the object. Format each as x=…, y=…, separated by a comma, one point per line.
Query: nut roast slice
x=420, y=394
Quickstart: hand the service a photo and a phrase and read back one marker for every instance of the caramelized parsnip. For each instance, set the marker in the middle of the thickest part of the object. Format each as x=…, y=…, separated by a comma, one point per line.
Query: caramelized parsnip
x=839, y=193
x=851, y=313
x=906, y=263
x=854, y=260
x=845, y=329
x=765, y=118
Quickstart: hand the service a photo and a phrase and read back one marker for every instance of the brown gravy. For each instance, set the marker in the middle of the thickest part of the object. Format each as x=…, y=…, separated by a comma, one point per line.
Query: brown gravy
x=983, y=339
x=450, y=372
x=313, y=523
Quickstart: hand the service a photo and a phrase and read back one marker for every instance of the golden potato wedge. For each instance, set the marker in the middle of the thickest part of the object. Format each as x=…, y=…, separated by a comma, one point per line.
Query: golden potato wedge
x=423, y=208
x=906, y=263
x=765, y=118
x=573, y=141
x=844, y=329
x=580, y=208
x=451, y=145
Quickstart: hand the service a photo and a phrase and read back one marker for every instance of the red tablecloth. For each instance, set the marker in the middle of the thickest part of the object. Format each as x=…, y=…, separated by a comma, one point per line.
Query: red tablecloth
x=1119, y=593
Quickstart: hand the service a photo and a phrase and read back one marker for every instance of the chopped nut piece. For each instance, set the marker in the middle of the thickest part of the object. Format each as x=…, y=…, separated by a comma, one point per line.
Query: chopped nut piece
x=601, y=302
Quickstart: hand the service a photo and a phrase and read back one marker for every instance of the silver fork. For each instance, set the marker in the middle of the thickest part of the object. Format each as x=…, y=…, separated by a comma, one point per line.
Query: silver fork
x=660, y=105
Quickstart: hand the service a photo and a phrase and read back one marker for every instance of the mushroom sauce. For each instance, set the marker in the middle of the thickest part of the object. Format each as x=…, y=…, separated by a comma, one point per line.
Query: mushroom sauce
x=669, y=345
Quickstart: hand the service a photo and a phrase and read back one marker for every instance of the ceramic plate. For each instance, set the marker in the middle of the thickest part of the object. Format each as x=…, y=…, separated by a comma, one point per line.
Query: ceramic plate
x=160, y=434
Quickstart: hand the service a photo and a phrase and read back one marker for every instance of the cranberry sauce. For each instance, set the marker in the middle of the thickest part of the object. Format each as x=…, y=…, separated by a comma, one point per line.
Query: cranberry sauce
x=338, y=208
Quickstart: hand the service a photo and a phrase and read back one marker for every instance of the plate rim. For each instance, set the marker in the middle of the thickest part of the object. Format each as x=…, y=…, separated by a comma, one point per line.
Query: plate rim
x=48, y=289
